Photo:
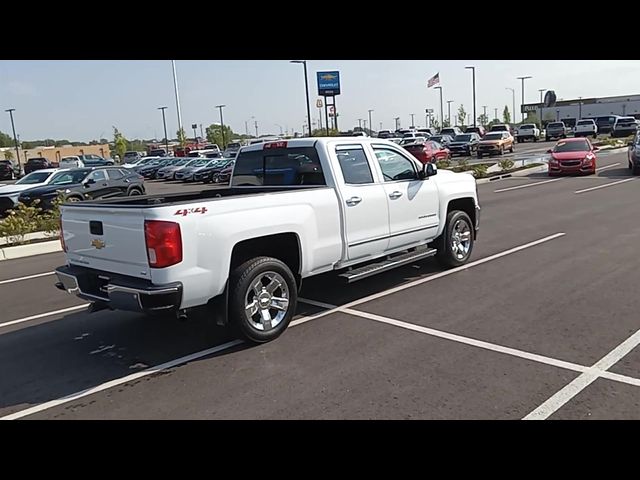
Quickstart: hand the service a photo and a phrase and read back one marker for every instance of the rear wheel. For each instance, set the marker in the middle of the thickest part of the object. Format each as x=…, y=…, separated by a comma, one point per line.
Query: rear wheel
x=134, y=191
x=511, y=149
x=546, y=139
x=479, y=155
x=456, y=242
x=73, y=199
x=262, y=299
x=635, y=170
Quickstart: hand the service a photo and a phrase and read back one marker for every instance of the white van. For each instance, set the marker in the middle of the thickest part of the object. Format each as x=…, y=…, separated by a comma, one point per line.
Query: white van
x=71, y=162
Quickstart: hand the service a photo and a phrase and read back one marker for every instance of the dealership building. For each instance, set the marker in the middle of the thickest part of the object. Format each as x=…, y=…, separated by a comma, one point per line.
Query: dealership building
x=570, y=111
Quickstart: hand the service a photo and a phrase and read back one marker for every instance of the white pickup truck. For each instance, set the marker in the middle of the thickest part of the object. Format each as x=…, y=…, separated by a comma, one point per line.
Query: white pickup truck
x=294, y=209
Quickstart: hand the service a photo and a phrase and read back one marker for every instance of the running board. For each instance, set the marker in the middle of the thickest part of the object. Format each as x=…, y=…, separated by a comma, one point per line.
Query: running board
x=396, y=261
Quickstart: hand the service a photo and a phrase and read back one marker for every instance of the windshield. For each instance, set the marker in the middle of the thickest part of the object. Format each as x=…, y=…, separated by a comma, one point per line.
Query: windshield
x=70, y=177
x=493, y=136
x=35, y=177
x=462, y=138
x=577, y=146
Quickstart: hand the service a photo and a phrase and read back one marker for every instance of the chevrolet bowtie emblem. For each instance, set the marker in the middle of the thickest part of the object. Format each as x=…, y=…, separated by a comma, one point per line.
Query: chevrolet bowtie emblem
x=328, y=76
x=97, y=243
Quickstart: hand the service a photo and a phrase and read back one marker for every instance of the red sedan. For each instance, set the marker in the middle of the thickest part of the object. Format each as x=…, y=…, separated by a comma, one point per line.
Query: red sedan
x=429, y=151
x=572, y=155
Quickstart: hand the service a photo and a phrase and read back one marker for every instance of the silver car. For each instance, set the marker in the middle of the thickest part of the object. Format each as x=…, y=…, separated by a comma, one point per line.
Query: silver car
x=168, y=172
x=186, y=174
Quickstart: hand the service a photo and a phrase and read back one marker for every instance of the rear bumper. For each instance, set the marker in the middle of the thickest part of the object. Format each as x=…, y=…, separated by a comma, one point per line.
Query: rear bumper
x=119, y=292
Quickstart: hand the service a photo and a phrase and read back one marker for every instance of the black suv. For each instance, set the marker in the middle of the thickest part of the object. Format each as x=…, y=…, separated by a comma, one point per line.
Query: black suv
x=36, y=163
x=464, y=144
x=6, y=170
x=84, y=184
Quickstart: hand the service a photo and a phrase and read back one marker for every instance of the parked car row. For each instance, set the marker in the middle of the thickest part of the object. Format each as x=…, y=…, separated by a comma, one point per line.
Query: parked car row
x=74, y=184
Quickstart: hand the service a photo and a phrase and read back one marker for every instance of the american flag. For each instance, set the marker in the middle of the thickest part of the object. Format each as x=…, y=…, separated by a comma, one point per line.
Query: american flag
x=435, y=80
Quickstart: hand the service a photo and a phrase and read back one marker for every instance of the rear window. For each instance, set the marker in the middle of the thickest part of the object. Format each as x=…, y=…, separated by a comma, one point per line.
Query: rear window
x=626, y=121
x=555, y=125
x=526, y=127
x=278, y=166
x=585, y=122
x=493, y=136
x=36, y=160
x=499, y=128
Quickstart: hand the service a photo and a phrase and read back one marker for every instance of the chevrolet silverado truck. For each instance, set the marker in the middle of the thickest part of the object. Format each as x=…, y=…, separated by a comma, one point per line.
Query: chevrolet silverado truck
x=293, y=209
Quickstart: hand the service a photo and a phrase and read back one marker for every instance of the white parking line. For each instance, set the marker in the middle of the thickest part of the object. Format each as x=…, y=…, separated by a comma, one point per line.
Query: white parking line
x=527, y=185
x=572, y=389
x=28, y=277
x=607, y=166
x=181, y=360
x=604, y=186
x=42, y=315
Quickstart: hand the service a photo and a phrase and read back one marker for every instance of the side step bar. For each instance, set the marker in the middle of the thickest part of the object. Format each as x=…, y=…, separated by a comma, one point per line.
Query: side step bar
x=396, y=261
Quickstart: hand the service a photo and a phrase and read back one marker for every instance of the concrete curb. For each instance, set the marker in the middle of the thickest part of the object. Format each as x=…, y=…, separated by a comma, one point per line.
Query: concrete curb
x=19, y=251
x=519, y=173
x=32, y=236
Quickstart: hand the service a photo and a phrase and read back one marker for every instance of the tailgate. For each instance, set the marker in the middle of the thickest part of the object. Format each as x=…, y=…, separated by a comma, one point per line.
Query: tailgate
x=106, y=239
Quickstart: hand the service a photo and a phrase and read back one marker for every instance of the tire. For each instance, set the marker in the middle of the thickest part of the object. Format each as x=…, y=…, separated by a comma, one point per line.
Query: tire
x=502, y=150
x=635, y=170
x=535, y=139
x=479, y=155
x=446, y=255
x=134, y=191
x=519, y=140
x=595, y=135
x=73, y=199
x=511, y=149
x=564, y=136
x=546, y=139
x=246, y=282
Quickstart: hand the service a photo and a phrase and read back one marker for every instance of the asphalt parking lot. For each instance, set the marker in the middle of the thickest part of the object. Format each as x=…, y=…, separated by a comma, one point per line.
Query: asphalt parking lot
x=541, y=324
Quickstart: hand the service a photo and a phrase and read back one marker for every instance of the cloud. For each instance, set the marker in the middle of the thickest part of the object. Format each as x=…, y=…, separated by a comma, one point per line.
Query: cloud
x=22, y=89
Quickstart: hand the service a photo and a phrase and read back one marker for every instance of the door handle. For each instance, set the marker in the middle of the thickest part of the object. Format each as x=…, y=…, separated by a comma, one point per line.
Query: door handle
x=395, y=194
x=353, y=201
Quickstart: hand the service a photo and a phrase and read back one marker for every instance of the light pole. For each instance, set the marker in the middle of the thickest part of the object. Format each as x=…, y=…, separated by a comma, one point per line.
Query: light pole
x=224, y=142
x=513, y=97
x=164, y=124
x=360, y=123
x=441, y=107
x=15, y=138
x=449, y=102
x=175, y=87
x=306, y=89
x=412, y=122
x=522, y=79
x=580, y=108
x=495, y=114
x=397, y=120
x=370, y=122
x=256, y=125
x=473, y=72
x=541, y=90
x=484, y=114
x=380, y=126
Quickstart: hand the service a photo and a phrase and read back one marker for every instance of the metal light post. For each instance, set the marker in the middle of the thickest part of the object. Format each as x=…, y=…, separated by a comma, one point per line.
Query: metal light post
x=412, y=122
x=441, y=107
x=522, y=79
x=473, y=71
x=580, y=108
x=256, y=125
x=397, y=119
x=495, y=114
x=380, y=125
x=175, y=87
x=164, y=124
x=15, y=138
x=449, y=102
x=513, y=95
x=541, y=90
x=360, y=123
x=306, y=89
x=224, y=142
x=370, y=122
x=484, y=107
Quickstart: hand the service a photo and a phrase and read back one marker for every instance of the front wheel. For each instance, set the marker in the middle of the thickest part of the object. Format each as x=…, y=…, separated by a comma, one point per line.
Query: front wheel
x=456, y=242
x=262, y=299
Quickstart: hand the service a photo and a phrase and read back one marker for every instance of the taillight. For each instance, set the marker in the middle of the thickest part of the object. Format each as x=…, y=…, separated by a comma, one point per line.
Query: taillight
x=64, y=246
x=164, y=243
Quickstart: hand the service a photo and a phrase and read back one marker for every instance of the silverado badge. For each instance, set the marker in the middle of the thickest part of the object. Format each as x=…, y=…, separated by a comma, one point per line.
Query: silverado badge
x=96, y=242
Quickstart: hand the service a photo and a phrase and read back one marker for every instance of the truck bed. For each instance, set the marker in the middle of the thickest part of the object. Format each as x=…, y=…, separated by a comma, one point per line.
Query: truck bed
x=163, y=200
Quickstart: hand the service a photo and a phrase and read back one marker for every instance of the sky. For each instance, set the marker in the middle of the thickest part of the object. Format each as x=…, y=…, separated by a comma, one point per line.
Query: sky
x=82, y=100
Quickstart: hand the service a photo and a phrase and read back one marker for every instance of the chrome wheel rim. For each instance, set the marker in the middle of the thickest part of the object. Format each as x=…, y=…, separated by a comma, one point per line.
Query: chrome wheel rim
x=134, y=192
x=266, y=301
x=73, y=199
x=461, y=239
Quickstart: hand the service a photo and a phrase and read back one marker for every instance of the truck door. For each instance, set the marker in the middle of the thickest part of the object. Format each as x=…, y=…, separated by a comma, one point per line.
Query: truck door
x=412, y=202
x=364, y=203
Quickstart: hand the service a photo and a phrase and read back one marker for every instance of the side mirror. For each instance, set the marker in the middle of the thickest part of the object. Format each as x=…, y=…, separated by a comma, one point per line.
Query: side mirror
x=549, y=151
x=429, y=170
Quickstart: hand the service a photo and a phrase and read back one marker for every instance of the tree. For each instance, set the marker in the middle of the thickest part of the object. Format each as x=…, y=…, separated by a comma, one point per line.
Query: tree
x=462, y=115
x=506, y=116
x=5, y=140
x=119, y=142
x=435, y=124
x=62, y=143
x=8, y=155
x=446, y=123
x=182, y=137
x=103, y=141
x=322, y=132
x=483, y=119
x=214, y=134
